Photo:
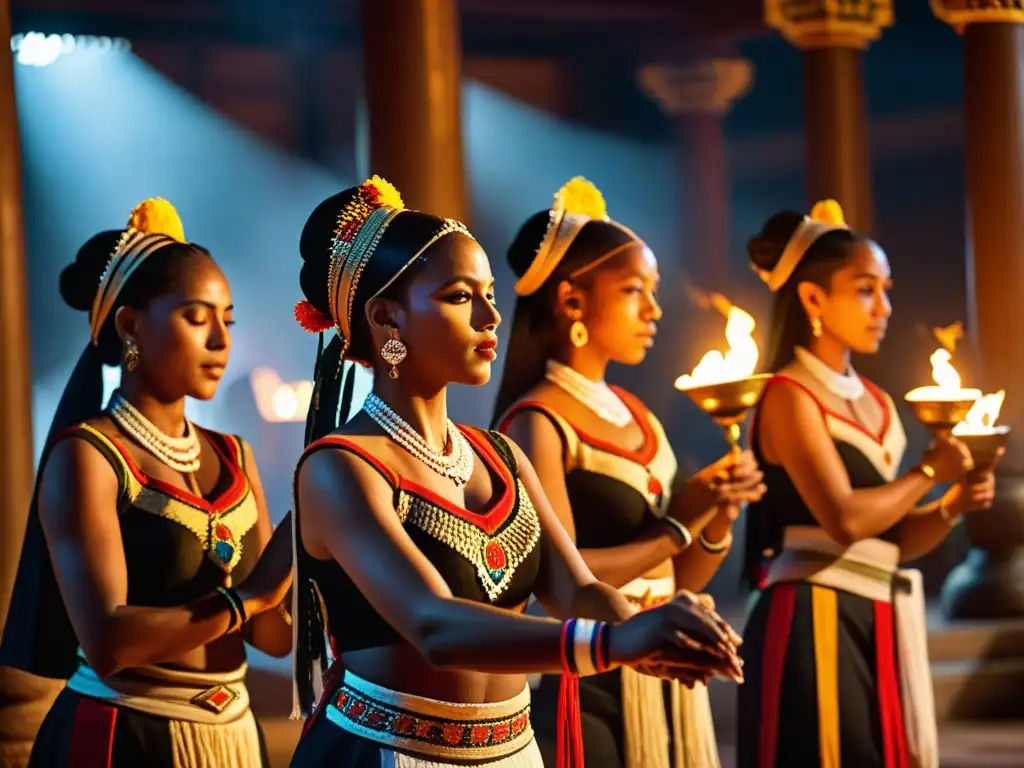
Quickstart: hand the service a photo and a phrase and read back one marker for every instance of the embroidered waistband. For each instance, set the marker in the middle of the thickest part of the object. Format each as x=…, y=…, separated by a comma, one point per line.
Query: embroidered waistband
x=431, y=728
x=195, y=697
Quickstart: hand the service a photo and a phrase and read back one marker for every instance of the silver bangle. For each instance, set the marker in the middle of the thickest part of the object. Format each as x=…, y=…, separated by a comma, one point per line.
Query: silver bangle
x=683, y=532
x=717, y=547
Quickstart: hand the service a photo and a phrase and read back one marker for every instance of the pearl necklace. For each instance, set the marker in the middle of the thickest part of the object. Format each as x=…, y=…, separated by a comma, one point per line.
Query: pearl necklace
x=597, y=396
x=179, y=453
x=847, y=386
x=455, y=463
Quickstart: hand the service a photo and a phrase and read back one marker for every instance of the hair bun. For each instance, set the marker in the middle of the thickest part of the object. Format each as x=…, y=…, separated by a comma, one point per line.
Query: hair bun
x=80, y=280
x=527, y=241
x=765, y=248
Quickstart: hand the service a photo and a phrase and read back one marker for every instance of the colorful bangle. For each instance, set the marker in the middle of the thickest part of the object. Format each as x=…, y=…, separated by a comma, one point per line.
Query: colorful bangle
x=681, y=530
x=238, y=617
x=716, y=547
x=585, y=645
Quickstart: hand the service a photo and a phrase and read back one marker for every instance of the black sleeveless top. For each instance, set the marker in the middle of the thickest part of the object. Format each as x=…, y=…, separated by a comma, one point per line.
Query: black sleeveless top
x=178, y=547
x=614, y=493
x=870, y=460
x=490, y=557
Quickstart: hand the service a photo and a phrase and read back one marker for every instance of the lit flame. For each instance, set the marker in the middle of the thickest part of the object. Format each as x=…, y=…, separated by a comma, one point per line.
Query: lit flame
x=279, y=401
x=739, y=362
x=947, y=382
x=981, y=419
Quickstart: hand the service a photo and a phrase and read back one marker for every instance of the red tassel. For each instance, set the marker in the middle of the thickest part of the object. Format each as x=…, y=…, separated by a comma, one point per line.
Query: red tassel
x=570, y=731
x=312, y=319
x=570, y=734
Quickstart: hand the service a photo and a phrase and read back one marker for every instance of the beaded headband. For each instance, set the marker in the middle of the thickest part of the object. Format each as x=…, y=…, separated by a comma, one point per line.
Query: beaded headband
x=153, y=224
x=575, y=204
x=361, y=224
x=826, y=216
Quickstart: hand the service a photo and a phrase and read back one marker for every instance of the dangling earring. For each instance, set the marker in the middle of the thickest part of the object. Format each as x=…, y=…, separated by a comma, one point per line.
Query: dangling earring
x=816, y=327
x=394, y=352
x=578, y=334
x=131, y=355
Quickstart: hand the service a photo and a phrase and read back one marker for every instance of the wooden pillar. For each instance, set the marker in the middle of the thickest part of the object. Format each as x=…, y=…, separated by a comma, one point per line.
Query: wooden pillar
x=833, y=37
x=698, y=97
x=412, y=75
x=989, y=584
x=24, y=698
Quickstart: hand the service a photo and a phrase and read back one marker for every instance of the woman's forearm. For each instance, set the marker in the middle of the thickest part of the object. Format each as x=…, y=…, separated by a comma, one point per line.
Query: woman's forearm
x=696, y=565
x=922, y=531
x=617, y=566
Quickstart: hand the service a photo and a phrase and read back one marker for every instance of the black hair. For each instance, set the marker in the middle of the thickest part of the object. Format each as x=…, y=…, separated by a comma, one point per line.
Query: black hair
x=38, y=636
x=789, y=326
x=332, y=393
x=158, y=275
x=406, y=234
x=534, y=333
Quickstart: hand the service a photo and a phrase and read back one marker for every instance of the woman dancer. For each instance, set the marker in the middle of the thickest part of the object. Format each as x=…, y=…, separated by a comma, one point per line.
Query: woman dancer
x=419, y=542
x=587, y=297
x=142, y=521
x=836, y=647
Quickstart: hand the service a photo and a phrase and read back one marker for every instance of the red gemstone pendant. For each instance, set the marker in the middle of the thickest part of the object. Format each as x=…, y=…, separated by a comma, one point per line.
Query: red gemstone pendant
x=495, y=556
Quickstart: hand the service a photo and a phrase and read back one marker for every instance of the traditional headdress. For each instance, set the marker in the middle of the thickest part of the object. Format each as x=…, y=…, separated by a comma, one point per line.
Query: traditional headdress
x=825, y=216
x=576, y=203
x=151, y=225
x=361, y=224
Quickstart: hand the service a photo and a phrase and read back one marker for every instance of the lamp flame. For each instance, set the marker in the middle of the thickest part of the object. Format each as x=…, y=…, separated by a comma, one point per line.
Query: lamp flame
x=947, y=382
x=739, y=361
x=981, y=419
x=279, y=401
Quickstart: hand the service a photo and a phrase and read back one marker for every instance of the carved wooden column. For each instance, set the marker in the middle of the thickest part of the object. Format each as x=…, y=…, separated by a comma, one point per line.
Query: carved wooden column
x=24, y=699
x=698, y=97
x=412, y=69
x=990, y=582
x=833, y=37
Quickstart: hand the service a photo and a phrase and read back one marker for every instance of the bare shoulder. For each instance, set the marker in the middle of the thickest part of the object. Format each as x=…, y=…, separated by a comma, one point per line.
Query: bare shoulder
x=789, y=394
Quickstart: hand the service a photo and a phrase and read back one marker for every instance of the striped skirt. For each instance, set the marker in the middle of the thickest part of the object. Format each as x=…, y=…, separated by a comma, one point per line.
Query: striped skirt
x=822, y=687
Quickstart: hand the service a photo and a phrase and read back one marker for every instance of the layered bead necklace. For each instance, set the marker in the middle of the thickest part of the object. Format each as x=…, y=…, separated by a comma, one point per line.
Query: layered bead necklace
x=596, y=396
x=179, y=453
x=455, y=462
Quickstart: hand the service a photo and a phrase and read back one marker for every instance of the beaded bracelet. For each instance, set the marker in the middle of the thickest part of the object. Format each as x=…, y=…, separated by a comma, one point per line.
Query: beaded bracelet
x=585, y=647
x=715, y=547
x=238, y=617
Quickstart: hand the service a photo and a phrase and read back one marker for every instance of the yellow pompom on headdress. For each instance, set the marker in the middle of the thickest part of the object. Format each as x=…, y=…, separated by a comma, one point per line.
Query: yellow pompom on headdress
x=361, y=224
x=825, y=216
x=152, y=224
x=156, y=216
x=577, y=202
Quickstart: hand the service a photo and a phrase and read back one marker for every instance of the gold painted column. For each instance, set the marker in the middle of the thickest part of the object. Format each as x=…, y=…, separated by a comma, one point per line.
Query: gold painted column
x=832, y=37
x=412, y=70
x=989, y=584
x=698, y=97
x=24, y=699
